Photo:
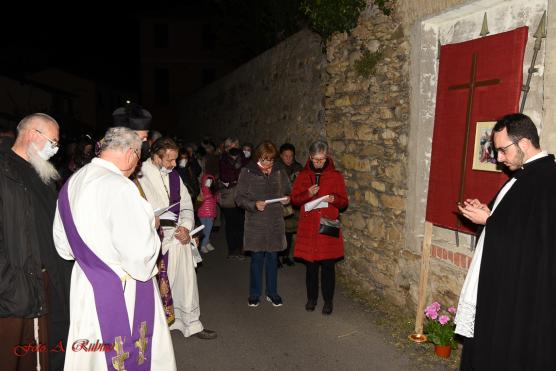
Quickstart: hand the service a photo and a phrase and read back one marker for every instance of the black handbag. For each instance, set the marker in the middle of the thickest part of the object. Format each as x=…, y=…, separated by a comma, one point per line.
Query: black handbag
x=329, y=227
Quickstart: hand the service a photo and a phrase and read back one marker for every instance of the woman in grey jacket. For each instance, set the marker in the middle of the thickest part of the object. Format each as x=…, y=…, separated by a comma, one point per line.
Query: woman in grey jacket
x=260, y=181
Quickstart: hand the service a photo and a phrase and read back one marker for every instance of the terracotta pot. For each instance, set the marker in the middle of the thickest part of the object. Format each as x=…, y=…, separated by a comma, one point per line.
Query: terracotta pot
x=443, y=350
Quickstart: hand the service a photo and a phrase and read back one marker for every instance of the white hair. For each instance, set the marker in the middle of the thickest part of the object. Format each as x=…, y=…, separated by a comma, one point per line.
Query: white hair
x=120, y=138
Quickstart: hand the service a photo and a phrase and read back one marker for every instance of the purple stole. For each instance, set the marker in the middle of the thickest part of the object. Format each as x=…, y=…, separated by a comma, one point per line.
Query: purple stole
x=162, y=264
x=131, y=348
x=174, y=180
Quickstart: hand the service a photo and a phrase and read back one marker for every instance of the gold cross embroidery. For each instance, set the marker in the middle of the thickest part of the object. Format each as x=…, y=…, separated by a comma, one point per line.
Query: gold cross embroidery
x=119, y=360
x=141, y=344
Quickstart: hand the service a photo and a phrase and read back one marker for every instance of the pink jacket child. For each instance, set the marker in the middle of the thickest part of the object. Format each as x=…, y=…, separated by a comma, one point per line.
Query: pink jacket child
x=207, y=211
x=210, y=199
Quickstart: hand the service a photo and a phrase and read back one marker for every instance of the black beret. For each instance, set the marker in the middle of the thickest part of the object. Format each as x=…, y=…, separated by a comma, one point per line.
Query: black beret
x=132, y=116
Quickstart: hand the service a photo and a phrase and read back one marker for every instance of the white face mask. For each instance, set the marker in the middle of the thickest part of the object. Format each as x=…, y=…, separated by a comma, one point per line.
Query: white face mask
x=164, y=170
x=208, y=182
x=247, y=154
x=47, y=151
x=183, y=162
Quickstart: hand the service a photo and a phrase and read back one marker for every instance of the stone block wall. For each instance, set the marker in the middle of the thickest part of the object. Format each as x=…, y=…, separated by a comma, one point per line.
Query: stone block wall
x=367, y=123
x=277, y=95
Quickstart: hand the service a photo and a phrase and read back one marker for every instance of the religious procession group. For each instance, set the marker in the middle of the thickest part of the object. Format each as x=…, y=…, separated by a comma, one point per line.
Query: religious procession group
x=127, y=211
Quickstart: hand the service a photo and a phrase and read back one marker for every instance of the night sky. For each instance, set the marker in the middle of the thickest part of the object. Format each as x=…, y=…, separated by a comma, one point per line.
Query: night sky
x=101, y=40
x=96, y=43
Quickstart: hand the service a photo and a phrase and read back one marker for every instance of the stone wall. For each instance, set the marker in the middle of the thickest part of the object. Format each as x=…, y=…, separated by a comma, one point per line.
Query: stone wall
x=379, y=127
x=277, y=96
x=367, y=125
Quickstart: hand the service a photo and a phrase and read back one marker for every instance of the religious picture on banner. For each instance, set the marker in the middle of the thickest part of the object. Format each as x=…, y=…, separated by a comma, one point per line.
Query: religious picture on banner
x=484, y=155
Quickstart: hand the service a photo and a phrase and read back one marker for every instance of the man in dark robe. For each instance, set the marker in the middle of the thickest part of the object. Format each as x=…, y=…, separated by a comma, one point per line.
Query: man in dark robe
x=34, y=280
x=511, y=324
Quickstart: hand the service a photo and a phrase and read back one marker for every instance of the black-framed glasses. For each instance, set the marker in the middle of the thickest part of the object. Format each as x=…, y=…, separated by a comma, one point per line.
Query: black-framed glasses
x=502, y=150
x=53, y=143
x=267, y=159
x=136, y=154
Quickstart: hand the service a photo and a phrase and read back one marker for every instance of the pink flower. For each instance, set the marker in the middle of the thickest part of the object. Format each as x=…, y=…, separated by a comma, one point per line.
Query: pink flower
x=452, y=310
x=431, y=311
x=443, y=319
x=435, y=305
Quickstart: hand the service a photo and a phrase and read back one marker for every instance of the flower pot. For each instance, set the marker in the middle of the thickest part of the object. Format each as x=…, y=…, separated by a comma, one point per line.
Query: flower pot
x=443, y=350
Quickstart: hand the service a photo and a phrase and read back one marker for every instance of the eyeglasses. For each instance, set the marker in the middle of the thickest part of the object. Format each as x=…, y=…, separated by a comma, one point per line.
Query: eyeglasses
x=315, y=159
x=136, y=154
x=53, y=143
x=267, y=160
x=502, y=150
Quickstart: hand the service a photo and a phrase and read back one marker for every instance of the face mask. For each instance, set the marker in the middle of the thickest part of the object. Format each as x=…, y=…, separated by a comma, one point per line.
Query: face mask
x=208, y=182
x=145, y=151
x=164, y=170
x=46, y=152
x=183, y=162
x=247, y=154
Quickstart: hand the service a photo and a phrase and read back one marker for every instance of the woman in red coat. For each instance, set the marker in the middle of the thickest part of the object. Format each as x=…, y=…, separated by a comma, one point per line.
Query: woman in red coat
x=319, y=178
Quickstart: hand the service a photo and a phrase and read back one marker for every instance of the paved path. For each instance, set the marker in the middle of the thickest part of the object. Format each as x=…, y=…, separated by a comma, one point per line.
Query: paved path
x=280, y=338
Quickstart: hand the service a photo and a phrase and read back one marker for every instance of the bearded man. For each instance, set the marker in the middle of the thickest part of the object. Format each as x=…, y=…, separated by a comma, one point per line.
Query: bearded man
x=34, y=280
x=163, y=187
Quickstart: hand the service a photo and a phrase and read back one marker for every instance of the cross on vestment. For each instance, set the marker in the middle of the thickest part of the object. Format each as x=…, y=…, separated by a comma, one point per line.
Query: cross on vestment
x=471, y=85
x=141, y=344
x=119, y=360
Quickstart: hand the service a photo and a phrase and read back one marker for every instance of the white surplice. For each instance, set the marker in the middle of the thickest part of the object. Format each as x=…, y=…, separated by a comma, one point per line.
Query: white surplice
x=181, y=265
x=117, y=224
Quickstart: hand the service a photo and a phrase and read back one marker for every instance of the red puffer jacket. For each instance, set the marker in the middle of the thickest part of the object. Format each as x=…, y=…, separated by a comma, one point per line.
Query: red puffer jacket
x=310, y=245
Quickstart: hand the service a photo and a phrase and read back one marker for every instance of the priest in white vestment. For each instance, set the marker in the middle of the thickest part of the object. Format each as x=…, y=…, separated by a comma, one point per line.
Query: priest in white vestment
x=118, y=226
x=156, y=183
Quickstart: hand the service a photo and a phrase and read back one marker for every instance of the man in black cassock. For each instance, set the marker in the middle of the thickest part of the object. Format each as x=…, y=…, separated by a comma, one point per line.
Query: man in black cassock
x=34, y=280
x=508, y=302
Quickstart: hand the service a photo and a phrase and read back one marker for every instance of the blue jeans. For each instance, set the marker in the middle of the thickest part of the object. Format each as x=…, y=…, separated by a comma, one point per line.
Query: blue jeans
x=208, y=223
x=270, y=260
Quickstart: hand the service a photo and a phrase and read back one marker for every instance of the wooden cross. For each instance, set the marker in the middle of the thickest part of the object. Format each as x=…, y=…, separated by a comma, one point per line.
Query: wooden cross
x=471, y=85
x=119, y=360
x=141, y=344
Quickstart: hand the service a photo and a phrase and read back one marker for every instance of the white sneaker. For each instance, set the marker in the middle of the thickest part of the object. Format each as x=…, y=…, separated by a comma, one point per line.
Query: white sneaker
x=204, y=250
x=209, y=247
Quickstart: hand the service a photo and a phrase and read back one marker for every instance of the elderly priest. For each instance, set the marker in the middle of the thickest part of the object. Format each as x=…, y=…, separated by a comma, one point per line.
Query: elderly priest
x=109, y=229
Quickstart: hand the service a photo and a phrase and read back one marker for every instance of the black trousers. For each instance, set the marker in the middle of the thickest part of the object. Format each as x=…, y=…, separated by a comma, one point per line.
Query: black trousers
x=327, y=279
x=234, y=218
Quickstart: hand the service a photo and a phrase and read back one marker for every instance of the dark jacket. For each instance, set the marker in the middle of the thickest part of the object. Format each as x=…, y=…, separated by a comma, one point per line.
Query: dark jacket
x=514, y=321
x=230, y=168
x=21, y=281
x=293, y=171
x=309, y=244
x=264, y=230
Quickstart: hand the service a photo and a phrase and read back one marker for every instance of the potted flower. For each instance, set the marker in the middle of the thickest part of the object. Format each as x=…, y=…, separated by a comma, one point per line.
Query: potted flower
x=440, y=327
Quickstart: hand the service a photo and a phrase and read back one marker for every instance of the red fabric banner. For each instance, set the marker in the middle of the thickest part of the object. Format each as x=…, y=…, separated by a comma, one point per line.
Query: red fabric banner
x=495, y=66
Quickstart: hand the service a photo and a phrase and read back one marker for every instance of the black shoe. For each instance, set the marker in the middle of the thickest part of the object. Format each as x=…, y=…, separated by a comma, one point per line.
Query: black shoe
x=253, y=302
x=279, y=263
x=276, y=300
x=206, y=334
x=327, y=308
x=310, y=306
x=288, y=261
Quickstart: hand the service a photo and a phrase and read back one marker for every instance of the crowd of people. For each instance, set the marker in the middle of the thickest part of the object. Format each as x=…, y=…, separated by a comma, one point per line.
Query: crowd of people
x=100, y=253
x=98, y=245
